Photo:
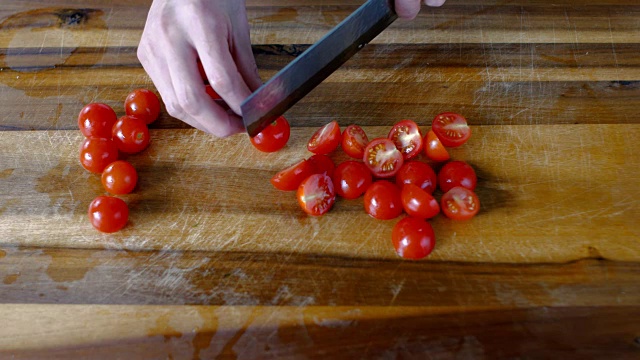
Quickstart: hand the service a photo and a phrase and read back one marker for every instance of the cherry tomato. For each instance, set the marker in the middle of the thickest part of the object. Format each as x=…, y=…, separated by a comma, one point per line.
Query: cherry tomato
x=382, y=158
x=354, y=140
x=316, y=195
x=131, y=134
x=326, y=139
x=434, y=149
x=97, y=153
x=382, y=200
x=290, y=178
x=274, y=137
x=212, y=93
x=460, y=203
x=119, y=177
x=407, y=138
x=108, y=214
x=413, y=238
x=457, y=173
x=351, y=179
x=203, y=74
x=143, y=104
x=418, y=203
x=96, y=120
x=322, y=164
x=417, y=173
x=451, y=128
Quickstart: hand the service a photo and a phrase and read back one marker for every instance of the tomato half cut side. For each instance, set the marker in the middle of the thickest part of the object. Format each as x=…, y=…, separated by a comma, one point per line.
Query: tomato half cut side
x=460, y=204
x=413, y=238
x=457, y=173
x=383, y=158
x=354, y=140
x=351, y=179
x=290, y=178
x=451, y=128
x=417, y=173
x=316, y=194
x=434, y=149
x=407, y=138
x=418, y=203
x=382, y=200
x=326, y=139
x=274, y=137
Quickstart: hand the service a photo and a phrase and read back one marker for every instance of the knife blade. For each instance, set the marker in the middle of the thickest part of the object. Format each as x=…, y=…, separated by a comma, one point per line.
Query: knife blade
x=314, y=65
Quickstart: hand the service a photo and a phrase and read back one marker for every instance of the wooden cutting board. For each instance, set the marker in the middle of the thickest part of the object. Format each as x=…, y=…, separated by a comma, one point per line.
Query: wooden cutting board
x=215, y=262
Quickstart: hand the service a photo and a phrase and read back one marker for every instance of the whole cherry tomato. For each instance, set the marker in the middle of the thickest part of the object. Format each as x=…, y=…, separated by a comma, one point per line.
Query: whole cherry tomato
x=407, y=138
x=212, y=93
x=326, y=139
x=108, y=214
x=322, y=164
x=457, y=173
x=413, y=238
x=351, y=179
x=97, y=153
x=382, y=200
x=451, y=128
x=143, y=104
x=131, y=134
x=316, y=194
x=119, y=177
x=354, y=140
x=418, y=203
x=274, y=137
x=382, y=158
x=434, y=149
x=96, y=120
x=417, y=173
x=290, y=178
x=460, y=203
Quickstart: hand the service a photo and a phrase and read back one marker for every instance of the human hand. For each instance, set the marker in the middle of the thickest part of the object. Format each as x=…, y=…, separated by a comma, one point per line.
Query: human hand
x=176, y=34
x=409, y=9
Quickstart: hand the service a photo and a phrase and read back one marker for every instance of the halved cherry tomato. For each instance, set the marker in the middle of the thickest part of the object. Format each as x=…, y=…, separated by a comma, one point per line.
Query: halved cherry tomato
x=274, y=137
x=418, y=203
x=212, y=93
x=354, y=140
x=434, y=149
x=457, y=173
x=382, y=200
x=119, y=177
x=316, y=194
x=417, y=173
x=143, y=104
x=96, y=120
x=108, y=214
x=97, y=153
x=407, y=138
x=382, y=158
x=290, y=178
x=413, y=238
x=451, y=128
x=351, y=179
x=460, y=203
x=326, y=139
x=131, y=134
x=322, y=164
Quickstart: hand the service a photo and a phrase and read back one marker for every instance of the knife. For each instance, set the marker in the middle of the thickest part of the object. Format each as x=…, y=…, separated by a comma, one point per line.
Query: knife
x=314, y=65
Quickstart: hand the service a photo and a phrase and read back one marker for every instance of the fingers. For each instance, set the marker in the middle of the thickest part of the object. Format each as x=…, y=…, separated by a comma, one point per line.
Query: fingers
x=435, y=3
x=407, y=9
x=243, y=54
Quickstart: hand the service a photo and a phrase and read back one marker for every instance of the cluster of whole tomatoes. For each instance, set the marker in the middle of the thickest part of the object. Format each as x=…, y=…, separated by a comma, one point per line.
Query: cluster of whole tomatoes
x=106, y=136
x=386, y=172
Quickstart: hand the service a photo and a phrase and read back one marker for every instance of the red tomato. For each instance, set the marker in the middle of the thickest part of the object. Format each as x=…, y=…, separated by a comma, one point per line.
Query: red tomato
x=354, y=140
x=322, y=164
x=382, y=200
x=326, y=139
x=418, y=203
x=457, y=173
x=131, y=134
x=203, y=74
x=212, y=93
x=290, y=178
x=143, y=104
x=413, y=238
x=108, y=214
x=351, y=179
x=316, y=195
x=274, y=137
x=96, y=120
x=417, y=173
x=451, y=128
x=434, y=149
x=460, y=203
x=119, y=177
x=382, y=158
x=97, y=153
x=407, y=138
